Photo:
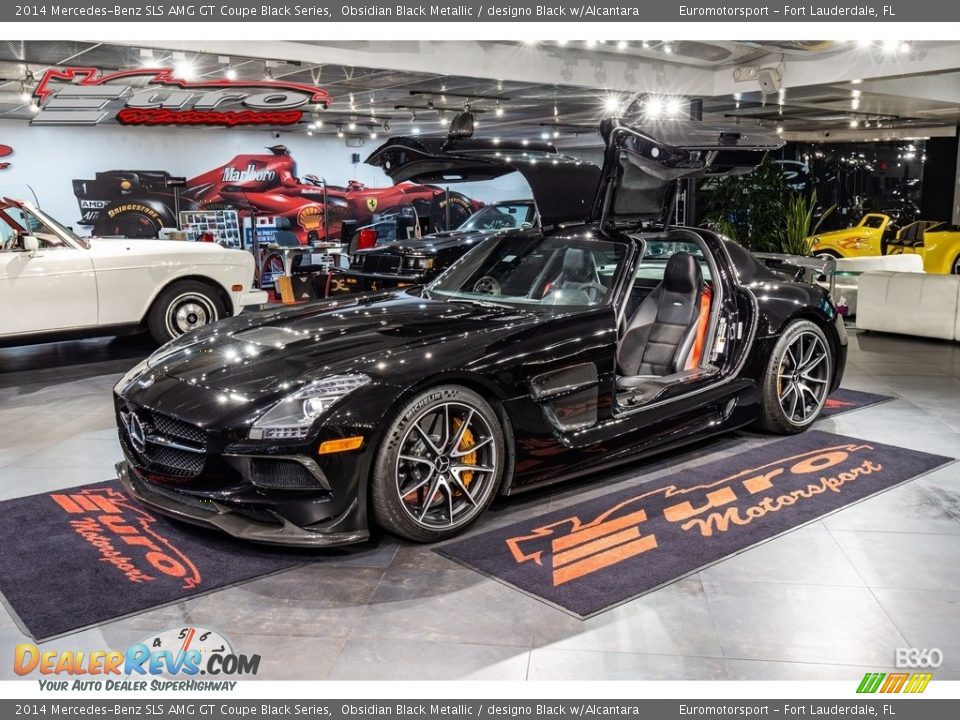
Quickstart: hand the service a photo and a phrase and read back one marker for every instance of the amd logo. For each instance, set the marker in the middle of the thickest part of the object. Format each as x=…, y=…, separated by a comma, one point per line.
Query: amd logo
x=87, y=98
x=250, y=174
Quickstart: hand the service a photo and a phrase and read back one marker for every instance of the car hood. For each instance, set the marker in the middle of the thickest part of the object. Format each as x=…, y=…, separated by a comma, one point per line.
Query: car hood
x=279, y=350
x=180, y=248
x=856, y=231
x=432, y=244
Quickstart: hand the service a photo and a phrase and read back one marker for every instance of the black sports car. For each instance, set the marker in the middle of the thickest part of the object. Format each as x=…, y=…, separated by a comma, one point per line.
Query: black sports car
x=415, y=262
x=540, y=356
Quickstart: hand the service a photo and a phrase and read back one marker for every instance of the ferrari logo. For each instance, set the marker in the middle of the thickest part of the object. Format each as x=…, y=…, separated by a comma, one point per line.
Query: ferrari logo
x=371, y=204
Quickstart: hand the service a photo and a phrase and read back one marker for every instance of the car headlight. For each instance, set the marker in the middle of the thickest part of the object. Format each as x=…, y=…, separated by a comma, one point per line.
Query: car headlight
x=292, y=417
x=418, y=263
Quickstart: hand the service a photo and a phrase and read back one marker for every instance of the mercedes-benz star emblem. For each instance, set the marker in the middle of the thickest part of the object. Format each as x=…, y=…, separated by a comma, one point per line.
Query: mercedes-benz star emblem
x=138, y=436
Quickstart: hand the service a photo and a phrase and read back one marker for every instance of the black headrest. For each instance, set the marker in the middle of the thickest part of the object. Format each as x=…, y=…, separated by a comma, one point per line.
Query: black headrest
x=577, y=265
x=682, y=274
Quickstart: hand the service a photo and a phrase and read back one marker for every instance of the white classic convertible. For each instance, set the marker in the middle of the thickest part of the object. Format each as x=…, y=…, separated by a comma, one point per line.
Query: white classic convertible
x=55, y=284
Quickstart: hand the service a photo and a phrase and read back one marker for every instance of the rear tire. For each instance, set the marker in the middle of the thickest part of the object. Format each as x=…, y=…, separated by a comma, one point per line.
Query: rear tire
x=797, y=379
x=955, y=270
x=439, y=465
x=460, y=210
x=184, y=306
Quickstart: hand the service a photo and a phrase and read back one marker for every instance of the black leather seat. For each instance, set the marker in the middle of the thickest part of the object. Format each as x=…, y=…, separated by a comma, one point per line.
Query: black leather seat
x=578, y=282
x=661, y=333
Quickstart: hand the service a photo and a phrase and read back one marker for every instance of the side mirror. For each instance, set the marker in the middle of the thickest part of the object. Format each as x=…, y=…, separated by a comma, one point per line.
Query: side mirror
x=30, y=244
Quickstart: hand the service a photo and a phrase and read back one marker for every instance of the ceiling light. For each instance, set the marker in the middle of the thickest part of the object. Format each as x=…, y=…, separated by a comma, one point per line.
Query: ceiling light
x=185, y=70
x=622, y=45
x=373, y=134
x=24, y=92
x=645, y=44
x=561, y=43
x=524, y=142
x=668, y=48
x=415, y=130
x=905, y=47
x=855, y=103
x=352, y=125
x=443, y=119
x=891, y=46
x=318, y=123
x=864, y=43
x=499, y=110
x=611, y=104
x=312, y=126
x=544, y=135
x=856, y=82
x=779, y=129
x=737, y=96
x=653, y=107
x=854, y=124
x=230, y=73
x=856, y=93
x=673, y=106
x=496, y=141
x=309, y=133
x=34, y=107
x=591, y=43
x=556, y=133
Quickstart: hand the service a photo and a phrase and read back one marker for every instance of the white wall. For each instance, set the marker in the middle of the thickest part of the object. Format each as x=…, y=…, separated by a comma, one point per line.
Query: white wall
x=47, y=158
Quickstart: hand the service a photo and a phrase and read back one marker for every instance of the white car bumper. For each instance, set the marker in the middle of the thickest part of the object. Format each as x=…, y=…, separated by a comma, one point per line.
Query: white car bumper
x=252, y=297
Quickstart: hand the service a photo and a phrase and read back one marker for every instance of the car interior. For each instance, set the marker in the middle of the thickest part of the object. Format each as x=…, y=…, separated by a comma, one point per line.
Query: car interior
x=667, y=322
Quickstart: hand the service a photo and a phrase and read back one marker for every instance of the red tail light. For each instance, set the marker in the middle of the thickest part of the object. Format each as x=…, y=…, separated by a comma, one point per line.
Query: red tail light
x=367, y=239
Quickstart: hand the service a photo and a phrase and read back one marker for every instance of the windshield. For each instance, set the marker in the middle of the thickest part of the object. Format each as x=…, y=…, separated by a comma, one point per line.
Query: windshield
x=535, y=271
x=15, y=220
x=502, y=216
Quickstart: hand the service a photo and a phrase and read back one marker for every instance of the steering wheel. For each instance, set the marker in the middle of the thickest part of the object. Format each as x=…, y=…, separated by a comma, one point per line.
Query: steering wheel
x=487, y=285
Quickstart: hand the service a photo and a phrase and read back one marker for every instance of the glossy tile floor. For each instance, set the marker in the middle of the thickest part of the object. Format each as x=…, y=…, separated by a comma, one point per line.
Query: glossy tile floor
x=829, y=601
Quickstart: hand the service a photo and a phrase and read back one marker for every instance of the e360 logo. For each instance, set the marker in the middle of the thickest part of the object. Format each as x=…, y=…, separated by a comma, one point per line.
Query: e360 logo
x=919, y=657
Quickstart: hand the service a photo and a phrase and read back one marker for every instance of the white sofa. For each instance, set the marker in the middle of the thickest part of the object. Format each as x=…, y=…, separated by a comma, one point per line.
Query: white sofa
x=845, y=287
x=910, y=303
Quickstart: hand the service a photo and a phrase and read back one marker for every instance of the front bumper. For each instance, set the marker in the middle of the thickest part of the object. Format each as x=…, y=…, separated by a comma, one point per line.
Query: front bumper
x=253, y=297
x=211, y=513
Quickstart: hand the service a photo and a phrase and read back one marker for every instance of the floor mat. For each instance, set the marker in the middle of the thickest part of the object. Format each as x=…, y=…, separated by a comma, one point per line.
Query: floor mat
x=843, y=400
x=85, y=555
x=602, y=552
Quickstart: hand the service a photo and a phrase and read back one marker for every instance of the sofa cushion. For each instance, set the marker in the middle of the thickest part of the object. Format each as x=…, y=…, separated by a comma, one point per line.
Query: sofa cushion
x=909, y=303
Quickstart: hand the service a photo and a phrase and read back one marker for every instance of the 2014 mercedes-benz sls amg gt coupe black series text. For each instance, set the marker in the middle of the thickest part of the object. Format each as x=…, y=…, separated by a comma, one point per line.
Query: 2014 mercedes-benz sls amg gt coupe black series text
x=541, y=355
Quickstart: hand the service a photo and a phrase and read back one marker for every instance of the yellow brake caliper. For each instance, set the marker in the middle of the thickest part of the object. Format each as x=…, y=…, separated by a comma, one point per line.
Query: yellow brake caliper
x=466, y=442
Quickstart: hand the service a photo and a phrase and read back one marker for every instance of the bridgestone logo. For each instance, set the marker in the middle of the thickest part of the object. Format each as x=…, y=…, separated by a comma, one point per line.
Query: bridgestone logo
x=250, y=174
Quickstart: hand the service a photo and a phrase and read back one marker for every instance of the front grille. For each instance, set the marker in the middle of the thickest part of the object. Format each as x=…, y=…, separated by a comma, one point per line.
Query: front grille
x=380, y=263
x=282, y=475
x=166, y=445
x=176, y=462
x=174, y=428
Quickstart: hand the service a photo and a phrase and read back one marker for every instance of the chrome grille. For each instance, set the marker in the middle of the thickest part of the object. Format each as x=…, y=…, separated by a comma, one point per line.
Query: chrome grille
x=162, y=444
x=174, y=428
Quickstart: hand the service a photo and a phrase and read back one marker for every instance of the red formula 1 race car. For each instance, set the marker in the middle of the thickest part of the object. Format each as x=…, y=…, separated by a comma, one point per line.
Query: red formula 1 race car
x=138, y=203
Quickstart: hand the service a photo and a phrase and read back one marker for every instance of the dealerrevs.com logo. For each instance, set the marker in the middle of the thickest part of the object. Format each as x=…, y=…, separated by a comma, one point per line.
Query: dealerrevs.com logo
x=156, y=96
x=173, y=660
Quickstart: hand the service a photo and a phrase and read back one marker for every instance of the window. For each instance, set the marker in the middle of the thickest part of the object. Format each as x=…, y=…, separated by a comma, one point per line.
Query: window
x=17, y=220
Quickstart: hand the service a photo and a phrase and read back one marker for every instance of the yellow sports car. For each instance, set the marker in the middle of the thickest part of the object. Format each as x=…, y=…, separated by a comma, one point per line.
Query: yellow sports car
x=938, y=243
x=863, y=239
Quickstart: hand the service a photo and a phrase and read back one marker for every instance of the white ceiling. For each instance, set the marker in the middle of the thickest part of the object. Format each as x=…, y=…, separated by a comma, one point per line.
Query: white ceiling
x=552, y=87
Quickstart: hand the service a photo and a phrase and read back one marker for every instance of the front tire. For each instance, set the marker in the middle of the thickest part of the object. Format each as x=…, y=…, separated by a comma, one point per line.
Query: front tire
x=797, y=379
x=439, y=465
x=955, y=270
x=182, y=307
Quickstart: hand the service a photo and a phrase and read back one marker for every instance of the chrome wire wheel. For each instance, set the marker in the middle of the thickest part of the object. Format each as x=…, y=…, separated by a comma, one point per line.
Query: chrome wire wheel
x=803, y=378
x=189, y=311
x=447, y=466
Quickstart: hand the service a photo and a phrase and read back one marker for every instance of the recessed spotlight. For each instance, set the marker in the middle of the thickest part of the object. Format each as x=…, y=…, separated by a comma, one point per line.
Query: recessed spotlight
x=668, y=48
x=230, y=73
x=864, y=43
x=891, y=46
x=544, y=135
x=779, y=129
x=185, y=70
x=309, y=133
x=622, y=45
x=591, y=44
x=854, y=124
x=857, y=81
x=561, y=43
x=905, y=47
x=611, y=103
x=653, y=107
x=673, y=106
x=415, y=130
x=499, y=110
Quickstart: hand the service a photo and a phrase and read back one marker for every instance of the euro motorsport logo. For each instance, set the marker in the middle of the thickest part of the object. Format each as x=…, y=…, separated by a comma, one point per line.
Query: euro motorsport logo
x=180, y=652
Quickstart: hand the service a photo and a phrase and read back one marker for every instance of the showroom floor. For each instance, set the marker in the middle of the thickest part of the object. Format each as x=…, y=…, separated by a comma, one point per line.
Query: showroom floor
x=829, y=601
